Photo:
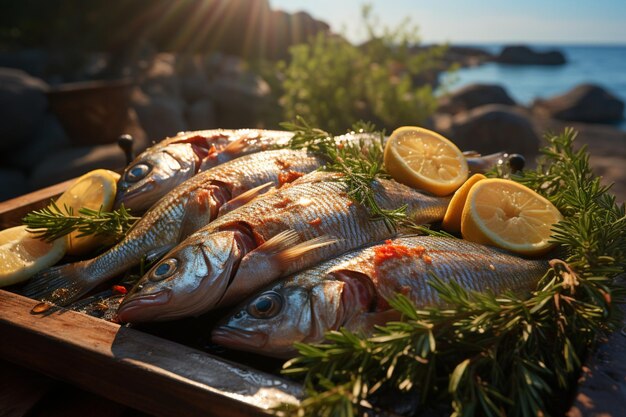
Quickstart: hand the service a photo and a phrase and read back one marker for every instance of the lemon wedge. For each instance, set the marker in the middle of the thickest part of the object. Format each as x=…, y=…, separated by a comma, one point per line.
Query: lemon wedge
x=93, y=190
x=452, y=219
x=426, y=160
x=22, y=255
x=509, y=215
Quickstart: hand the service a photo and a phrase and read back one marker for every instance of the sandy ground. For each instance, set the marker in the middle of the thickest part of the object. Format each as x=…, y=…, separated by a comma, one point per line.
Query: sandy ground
x=606, y=146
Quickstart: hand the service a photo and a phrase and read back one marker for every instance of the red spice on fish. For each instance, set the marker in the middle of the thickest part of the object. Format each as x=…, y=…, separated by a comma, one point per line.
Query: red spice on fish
x=119, y=289
x=289, y=176
x=282, y=203
x=392, y=251
x=282, y=164
x=315, y=222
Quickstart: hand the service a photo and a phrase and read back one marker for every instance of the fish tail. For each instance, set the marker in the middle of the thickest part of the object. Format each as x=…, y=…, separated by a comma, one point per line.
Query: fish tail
x=60, y=285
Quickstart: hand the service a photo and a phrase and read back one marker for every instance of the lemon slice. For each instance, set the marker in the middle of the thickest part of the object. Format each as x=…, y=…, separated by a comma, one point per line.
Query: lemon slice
x=452, y=219
x=93, y=190
x=509, y=215
x=424, y=159
x=22, y=255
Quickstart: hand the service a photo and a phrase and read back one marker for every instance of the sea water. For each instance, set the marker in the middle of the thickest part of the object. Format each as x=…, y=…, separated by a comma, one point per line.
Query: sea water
x=604, y=65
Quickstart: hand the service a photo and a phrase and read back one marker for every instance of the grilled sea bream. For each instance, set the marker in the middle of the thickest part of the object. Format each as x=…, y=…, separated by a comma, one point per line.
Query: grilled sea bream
x=295, y=227
x=160, y=168
x=351, y=291
x=184, y=210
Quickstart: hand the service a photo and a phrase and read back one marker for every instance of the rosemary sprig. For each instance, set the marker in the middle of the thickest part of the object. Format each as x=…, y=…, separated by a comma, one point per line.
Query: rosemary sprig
x=360, y=163
x=487, y=354
x=51, y=222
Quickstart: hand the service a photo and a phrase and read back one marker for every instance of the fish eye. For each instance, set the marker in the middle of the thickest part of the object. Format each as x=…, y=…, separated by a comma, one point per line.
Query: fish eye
x=137, y=172
x=266, y=306
x=164, y=269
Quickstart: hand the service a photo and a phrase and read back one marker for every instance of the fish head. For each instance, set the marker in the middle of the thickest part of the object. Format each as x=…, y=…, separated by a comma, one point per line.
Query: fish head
x=188, y=281
x=272, y=321
x=153, y=174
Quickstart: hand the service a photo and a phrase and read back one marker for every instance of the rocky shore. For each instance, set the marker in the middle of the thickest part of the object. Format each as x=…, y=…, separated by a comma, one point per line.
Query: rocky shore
x=176, y=92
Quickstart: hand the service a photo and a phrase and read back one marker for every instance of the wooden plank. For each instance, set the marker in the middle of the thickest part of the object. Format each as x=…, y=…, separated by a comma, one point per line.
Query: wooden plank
x=20, y=389
x=12, y=211
x=133, y=368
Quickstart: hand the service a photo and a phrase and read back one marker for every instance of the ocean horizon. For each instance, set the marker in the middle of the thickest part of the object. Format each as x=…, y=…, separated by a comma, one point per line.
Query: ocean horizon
x=601, y=64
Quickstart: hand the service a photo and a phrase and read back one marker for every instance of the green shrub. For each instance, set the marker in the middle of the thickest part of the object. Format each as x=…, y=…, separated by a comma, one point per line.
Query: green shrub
x=387, y=80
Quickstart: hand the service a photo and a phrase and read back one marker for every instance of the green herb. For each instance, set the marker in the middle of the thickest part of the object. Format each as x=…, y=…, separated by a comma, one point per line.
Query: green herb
x=51, y=222
x=487, y=354
x=360, y=163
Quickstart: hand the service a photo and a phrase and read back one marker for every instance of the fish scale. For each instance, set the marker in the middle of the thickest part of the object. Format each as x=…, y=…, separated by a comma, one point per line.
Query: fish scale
x=341, y=219
x=349, y=291
x=172, y=218
x=192, y=278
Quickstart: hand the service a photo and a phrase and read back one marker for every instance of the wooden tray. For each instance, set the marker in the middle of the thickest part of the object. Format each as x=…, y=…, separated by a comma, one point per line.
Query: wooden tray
x=165, y=378
x=128, y=366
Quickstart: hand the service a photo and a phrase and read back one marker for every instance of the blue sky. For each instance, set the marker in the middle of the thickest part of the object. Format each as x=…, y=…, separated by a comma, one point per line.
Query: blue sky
x=472, y=21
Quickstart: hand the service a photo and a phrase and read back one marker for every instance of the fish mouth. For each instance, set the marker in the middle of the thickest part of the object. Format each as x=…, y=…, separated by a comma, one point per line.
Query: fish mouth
x=237, y=338
x=139, y=308
x=133, y=196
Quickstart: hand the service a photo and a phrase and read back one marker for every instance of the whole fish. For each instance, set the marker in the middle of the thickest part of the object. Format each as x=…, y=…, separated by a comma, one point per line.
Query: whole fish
x=295, y=227
x=184, y=210
x=160, y=168
x=351, y=291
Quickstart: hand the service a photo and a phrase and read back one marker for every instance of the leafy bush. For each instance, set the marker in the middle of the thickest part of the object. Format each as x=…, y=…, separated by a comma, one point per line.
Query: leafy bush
x=387, y=80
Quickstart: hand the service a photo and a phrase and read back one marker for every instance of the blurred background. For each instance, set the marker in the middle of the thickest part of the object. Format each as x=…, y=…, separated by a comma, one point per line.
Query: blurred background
x=75, y=74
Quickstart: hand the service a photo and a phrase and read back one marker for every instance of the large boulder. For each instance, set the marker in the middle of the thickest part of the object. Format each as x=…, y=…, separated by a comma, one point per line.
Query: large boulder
x=494, y=128
x=584, y=103
x=523, y=55
x=49, y=137
x=241, y=100
x=160, y=117
x=472, y=96
x=160, y=78
x=23, y=106
x=74, y=161
x=13, y=184
x=201, y=115
x=192, y=75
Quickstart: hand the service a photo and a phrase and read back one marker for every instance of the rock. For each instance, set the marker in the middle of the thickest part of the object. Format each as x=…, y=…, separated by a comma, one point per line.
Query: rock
x=201, y=115
x=13, y=183
x=23, y=106
x=494, y=128
x=192, y=76
x=72, y=162
x=49, y=138
x=160, y=117
x=584, y=103
x=160, y=79
x=240, y=101
x=474, y=95
x=523, y=55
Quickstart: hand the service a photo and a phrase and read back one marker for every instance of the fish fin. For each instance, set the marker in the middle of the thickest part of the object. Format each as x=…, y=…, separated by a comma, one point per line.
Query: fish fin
x=157, y=253
x=244, y=198
x=198, y=213
x=282, y=241
x=290, y=254
x=60, y=285
x=237, y=146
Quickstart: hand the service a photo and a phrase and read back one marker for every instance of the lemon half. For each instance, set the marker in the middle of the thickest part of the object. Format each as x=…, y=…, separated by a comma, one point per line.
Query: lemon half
x=426, y=160
x=22, y=255
x=509, y=215
x=93, y=190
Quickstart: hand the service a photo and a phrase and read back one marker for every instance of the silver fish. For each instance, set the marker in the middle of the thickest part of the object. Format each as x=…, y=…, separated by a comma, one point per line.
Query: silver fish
x=184, y=210
x=351, y=291
x=295, y=227
x=160, y=168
